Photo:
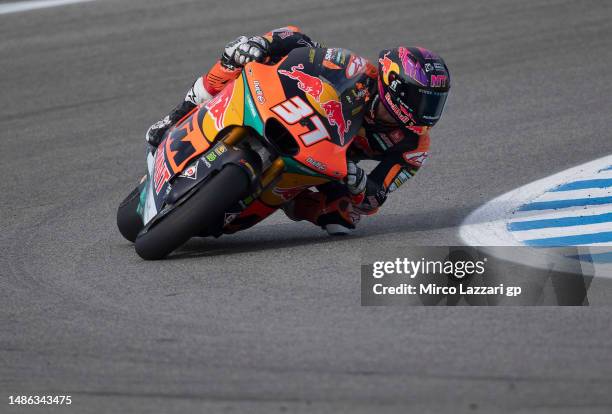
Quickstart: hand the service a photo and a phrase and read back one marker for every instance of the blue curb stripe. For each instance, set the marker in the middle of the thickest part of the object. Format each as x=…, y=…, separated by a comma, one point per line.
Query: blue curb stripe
x=584, y=184
x=594, y=258
x=560, y=222
x=602, y=237
x=551, y=205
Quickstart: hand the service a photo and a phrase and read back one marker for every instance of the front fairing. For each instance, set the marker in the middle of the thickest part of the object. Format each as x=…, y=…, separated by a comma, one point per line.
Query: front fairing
x=319, y=95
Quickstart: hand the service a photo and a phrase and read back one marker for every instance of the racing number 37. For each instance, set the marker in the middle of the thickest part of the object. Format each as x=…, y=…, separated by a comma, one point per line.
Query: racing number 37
x=294, y=110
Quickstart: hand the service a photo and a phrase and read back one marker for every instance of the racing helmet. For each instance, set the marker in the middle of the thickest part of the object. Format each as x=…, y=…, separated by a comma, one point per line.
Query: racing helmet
x=413, y=85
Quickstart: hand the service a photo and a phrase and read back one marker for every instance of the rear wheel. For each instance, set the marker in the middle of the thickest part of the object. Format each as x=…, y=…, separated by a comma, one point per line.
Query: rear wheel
x=129, y=221
x=203, y=209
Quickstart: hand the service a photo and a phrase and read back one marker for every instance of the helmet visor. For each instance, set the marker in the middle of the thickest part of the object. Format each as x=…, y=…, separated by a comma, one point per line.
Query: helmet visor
x=425, y=105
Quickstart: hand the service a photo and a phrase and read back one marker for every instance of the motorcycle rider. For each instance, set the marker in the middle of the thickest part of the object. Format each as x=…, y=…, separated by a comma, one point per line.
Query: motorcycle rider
x=407, y=94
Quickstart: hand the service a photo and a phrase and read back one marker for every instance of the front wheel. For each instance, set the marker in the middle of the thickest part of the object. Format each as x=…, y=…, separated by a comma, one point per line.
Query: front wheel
x=203, y=209
x=129, y=221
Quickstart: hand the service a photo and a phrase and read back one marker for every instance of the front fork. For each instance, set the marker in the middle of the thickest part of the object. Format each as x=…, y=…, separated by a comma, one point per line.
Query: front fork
x=272, y=169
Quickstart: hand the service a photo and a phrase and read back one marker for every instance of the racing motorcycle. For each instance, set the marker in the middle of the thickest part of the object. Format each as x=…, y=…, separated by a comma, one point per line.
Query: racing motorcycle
x=273, y=132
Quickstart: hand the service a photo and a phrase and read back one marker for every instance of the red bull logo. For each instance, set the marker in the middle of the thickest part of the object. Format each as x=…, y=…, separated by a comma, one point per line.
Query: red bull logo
x=335, y=117
x=312, y=85
x=218, y=105
x=385, y=64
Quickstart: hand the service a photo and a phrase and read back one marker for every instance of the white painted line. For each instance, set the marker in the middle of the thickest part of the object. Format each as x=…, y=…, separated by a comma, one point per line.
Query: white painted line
x=573, y=194
x=581, y=211
x=21, y=6
x=561, y=231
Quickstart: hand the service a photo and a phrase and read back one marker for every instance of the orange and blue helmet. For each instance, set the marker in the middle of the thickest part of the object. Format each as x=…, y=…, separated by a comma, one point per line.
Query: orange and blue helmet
x=413, y=85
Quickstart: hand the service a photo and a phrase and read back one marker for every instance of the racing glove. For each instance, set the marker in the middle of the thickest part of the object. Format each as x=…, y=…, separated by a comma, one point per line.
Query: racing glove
x=243, y=50
x=356, y=179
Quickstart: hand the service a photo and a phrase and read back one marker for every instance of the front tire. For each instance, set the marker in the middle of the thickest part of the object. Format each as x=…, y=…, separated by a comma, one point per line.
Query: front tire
x=129, y=221
x=203, y=209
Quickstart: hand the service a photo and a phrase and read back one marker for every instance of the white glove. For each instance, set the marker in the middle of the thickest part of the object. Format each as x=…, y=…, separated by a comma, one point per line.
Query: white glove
x=244, y=49
x=356, y=178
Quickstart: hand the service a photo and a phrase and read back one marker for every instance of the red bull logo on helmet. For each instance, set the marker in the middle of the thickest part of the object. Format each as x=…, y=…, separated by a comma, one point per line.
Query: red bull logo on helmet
x=387, y=65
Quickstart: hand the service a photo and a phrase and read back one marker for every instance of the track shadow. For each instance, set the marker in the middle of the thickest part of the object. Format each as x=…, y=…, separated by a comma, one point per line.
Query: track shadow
x=286, y=235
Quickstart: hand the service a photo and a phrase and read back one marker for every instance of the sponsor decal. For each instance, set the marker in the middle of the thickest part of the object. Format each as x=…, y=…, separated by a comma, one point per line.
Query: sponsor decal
x=428, y=67
x=385, y=64
x=439, y=66
x=220, y=149
x=415, y=159
x=316, y=164
x=285, y=34
x=402, y=113
x=355, y=66
x=411, y=67
x=401, y=178
x=191, y=172
x=335, y=55
x=162, y=175
x=311, y=55
x=218, y=105
x=211, y=156
x=438, y=81
x=312, y=85
x=330, y=65
x=287, y=193
x=333, y=112
x=258, y=92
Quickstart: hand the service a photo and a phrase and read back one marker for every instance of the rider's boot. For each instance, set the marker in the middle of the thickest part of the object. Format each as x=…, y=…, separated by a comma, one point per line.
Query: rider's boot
x=197, y=95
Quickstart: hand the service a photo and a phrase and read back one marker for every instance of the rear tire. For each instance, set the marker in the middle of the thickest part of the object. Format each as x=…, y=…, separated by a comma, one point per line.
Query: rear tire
x=129, y=221
x=203, y=209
